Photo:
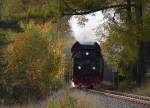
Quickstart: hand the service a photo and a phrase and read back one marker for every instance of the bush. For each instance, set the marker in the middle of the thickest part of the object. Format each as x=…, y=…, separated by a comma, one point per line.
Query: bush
x=33, y=62
x=147, y=75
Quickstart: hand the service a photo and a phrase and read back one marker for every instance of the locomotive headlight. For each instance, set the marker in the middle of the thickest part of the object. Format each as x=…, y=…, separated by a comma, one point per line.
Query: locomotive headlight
x=93, y=67
x=87, y=53
x=79, y=67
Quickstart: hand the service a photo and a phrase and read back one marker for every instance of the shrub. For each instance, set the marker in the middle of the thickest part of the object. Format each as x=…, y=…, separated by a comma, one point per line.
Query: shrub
x=33, y=62
x=147, y=75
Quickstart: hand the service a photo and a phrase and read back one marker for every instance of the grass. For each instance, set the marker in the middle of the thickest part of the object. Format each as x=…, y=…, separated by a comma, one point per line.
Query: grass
x=144, y=89
x=64, y=99
x=31, y=105
x=74, y=99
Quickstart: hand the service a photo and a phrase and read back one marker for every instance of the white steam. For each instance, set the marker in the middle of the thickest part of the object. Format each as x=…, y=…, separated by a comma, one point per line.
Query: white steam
x=91, y=31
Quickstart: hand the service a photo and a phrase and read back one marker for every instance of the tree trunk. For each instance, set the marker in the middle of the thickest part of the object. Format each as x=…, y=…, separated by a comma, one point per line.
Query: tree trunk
x=140, y=70
x=129, y=16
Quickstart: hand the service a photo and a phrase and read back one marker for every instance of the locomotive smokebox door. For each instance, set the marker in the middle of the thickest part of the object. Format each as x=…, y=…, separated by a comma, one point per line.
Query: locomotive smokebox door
x=88, y=65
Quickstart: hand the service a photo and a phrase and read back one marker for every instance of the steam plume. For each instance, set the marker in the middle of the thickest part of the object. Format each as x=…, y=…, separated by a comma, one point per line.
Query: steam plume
x=87, y=34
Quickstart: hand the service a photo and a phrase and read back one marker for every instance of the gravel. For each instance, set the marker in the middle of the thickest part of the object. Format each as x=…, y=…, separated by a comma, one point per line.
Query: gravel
x=110, y=102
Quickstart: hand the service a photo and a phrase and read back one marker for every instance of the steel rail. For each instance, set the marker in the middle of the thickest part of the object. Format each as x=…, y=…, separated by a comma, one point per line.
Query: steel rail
x=144, y=100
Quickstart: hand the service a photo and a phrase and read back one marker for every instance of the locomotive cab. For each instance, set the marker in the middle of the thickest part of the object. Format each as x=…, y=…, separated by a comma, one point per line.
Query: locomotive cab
x=87, y=65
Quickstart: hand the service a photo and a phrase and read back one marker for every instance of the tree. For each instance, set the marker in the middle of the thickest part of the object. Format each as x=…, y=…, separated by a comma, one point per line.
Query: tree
x=33, y=62
x=54, y=8
x=128, y=35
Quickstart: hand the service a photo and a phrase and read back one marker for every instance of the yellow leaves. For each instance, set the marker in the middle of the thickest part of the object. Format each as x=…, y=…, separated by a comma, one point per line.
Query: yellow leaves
x=40, y=26
x=46, y=27
x=36, y=55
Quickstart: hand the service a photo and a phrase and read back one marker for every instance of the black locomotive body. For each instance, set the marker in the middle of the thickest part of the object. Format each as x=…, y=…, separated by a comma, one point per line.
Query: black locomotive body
x=88, y=65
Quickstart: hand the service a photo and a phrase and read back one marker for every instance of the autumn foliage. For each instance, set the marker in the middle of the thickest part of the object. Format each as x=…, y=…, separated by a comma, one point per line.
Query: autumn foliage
x=33, y=61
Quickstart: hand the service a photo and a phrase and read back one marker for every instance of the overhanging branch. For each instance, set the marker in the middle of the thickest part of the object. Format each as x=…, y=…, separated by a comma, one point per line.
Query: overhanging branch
x=83, y=12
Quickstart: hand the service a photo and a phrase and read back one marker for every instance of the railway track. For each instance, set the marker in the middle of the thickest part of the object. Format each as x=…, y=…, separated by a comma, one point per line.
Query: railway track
x=144, y=100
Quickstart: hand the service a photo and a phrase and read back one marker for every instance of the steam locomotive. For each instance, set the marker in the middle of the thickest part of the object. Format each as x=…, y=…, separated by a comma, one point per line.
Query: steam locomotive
x=88, y=65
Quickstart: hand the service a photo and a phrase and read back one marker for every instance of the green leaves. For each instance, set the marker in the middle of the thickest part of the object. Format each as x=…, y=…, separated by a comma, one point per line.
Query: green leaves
x=127, y=34
x=20, y=9
x=23, y=9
